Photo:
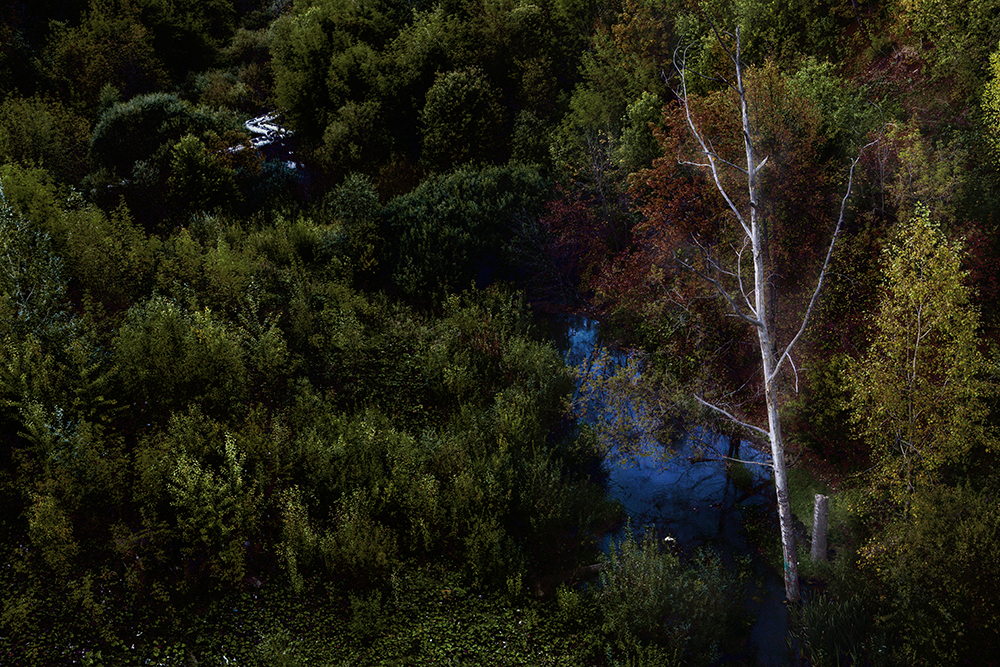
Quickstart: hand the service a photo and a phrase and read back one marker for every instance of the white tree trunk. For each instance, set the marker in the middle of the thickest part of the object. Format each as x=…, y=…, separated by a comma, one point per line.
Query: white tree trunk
x=758, y=310
x=761, y=311
x=768, y=349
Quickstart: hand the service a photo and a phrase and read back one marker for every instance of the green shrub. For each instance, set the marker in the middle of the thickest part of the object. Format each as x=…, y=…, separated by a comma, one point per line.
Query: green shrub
x=198, y=178
x=941, y=575
x=655, y=606
x=461, y=120
x=135, y=130
x=216, y=511
x=44, y=133
x=171, y=357
x=33, y=294
x=454, y=229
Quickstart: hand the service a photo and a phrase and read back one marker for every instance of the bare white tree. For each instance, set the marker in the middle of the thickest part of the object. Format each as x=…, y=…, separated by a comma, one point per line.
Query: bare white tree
x=750, y=297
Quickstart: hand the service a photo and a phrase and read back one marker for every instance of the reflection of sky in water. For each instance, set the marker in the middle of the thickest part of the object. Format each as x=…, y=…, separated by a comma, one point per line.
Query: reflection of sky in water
x=689, y=501
x=683, y=498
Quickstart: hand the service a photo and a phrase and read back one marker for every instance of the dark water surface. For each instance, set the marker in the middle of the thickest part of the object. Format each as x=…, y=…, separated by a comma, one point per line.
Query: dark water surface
x=685, y=494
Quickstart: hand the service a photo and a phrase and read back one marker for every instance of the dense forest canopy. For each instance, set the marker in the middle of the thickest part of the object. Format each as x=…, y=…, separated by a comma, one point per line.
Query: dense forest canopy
x=258, y=390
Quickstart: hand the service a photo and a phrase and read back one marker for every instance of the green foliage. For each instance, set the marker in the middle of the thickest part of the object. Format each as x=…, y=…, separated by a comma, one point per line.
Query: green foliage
x=530, y=140
x=52, y=533
x=627, y=60
x=299, y=540
x=930, y=173
x=638, y=145
x=920, y=392
x=347, y=141
x=837, y=632
x=144, y=129
x=111, y=257
x=186, y=34
x=212, y=421
x=215, y=511
x=32, y=282
x=784, y=31
x=197, y=178
x=44, y=133
x=461, y=120
x=324, y=55
x=110, y=46
x=847, y=116
x=939, y=569
x=246, y=80
x=957, y=37
x=171, y=357
x=991, y=105
x=453, y=228
x=651, y=599
x=374, y=88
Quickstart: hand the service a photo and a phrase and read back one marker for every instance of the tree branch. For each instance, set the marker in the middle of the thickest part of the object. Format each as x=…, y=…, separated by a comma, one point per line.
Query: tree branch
x=739, y=276
x=822, y=274
x=721, y=290
x=753, y=428
x=683, y=95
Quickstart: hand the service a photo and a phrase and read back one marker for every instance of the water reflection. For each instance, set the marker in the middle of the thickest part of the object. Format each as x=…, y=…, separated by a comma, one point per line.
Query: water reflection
x=693, y=491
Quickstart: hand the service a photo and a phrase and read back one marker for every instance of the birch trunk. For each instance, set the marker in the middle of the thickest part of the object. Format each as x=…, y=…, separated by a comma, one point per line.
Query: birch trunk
x=761, y=310
x=760, y=313
x=768, y=348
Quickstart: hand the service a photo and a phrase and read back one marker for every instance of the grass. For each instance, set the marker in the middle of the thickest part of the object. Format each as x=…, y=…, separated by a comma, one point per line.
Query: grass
x=843, y=525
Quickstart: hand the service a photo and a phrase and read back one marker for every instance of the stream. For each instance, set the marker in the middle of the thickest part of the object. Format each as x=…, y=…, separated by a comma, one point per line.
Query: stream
x=271, y=140
x=687, y=496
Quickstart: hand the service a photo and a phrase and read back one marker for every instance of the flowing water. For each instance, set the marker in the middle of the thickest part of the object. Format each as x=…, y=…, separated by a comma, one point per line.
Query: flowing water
x=685, y=493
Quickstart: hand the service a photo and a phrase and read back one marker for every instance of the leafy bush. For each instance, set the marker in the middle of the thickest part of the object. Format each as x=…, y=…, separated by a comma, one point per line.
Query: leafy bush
x=171, y=358
x=941, y=574
x=44, y=133
x=837, y=632
x=197, y=178
x=656, y=606
x=136, y=130
x=461, y=120
x=33, y=294
x=454, y=228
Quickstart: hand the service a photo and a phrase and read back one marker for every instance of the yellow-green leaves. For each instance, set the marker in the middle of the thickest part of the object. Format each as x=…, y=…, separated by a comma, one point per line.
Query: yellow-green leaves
x=919, y=392
x=216, y=511
x=991, y=105
x=51, y=532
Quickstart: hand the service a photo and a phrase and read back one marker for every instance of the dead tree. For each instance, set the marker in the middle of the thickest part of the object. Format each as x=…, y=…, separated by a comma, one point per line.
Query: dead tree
x=751, y=298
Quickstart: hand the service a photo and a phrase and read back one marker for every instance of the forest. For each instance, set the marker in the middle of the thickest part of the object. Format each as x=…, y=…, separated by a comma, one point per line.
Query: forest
x=299, y=404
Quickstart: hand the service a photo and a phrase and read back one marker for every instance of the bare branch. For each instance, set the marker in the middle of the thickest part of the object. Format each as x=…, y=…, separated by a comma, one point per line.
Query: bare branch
x=713, y=79
x=722, y=291
x=739, y=275
x=822, y=274
x=735, y=58
x=730, y=164
x=755, y=429
x=745, y=462
x=705, y=150
x=794, y=372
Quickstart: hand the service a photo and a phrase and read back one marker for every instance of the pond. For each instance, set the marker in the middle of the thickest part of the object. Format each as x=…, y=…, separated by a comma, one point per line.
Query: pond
x=685, y=493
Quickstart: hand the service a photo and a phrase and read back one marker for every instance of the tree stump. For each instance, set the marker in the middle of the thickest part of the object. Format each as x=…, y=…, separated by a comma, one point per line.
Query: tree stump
x=821, y=507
